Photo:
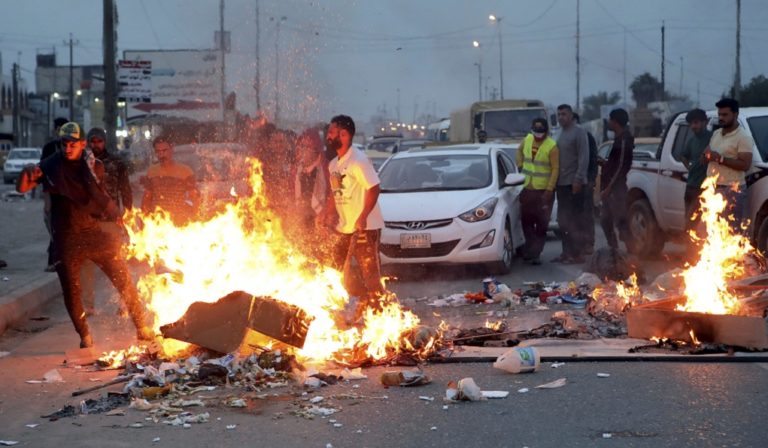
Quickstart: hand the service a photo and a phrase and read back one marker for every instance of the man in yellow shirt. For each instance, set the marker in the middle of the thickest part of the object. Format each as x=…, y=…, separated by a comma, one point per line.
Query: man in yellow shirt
x=170, y=185
x=539, y=160
x=730, y=157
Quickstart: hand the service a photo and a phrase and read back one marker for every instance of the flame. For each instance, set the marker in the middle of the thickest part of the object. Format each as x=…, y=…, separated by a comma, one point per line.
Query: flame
x=629, y=292
x=495, y=326
x=694, y=340
x=117, y=358
x=243, y=247
x=721, y=258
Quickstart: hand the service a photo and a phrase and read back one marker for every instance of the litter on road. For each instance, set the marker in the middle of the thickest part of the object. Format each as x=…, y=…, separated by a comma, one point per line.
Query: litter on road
x=553, y=385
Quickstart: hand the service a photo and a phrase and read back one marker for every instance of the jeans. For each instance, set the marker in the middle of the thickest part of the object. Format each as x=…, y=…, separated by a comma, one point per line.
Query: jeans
x=104, y=251
x=570, y=207
x=587, y=221
x=613, y=215
x=534, y=217
x=735, y=208
x=364, y=248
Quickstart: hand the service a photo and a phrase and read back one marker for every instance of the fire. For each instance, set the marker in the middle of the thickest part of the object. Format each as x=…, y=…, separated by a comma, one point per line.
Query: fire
x=495, y=326
x=243, y=247
x=629, y=292
x=117, y=358
x=721, y=259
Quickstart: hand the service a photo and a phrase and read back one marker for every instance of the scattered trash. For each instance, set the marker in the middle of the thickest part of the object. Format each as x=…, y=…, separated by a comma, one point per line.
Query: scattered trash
x=523, y=390
x=465, y=390
x=236, y=403
x=313, y=382
x=51, y=376
x=495, y=394
x=425, y=398
x=607, y=435
x=588, y=279
x=557, y=365
x=4, y=354
x=187, y=418
x=316, y=400
x=156, y=439
x=434, y=428
x=231, y=426
x=116, y=413
x=337, y=425
x=354, y=374
x=136, y=425
x=8, y=442
x=405, y=378
x=445, y=407
x=553, y=385
x=6, y=279
x=519, y=360
x=603, y=375
x=451, y=300
x=32, y=425
x=66, y=411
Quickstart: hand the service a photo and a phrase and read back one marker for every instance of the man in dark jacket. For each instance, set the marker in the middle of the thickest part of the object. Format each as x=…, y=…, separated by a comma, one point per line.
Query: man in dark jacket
x=78, y=203
x=588, y=213
x=50, y=149
x=613, y=180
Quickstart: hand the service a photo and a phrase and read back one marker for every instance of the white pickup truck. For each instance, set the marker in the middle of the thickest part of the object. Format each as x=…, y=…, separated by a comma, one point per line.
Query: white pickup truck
x=656, y=188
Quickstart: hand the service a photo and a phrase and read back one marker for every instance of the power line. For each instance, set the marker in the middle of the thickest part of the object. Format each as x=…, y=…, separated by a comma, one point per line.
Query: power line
x=149, y=22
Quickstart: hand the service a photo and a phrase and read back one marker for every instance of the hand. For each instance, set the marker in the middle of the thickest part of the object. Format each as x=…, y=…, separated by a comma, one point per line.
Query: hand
x=32, y=172
x=361, y=224
x=547, y=198
x=576, y=187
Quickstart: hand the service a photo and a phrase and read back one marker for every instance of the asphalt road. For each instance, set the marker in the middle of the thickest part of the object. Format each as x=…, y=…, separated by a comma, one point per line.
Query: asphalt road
x=639, y=405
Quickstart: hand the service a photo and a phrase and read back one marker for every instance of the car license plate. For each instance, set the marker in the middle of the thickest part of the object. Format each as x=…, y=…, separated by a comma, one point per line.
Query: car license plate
x=415, y=240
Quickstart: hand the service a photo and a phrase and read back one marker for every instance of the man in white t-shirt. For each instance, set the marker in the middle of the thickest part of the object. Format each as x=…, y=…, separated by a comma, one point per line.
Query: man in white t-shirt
x=730, y=157
x=354, y=195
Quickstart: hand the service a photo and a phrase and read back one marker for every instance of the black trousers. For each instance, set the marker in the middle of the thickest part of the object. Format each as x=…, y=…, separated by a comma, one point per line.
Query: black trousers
x=570, y=208
x=587, y=222
x=613, y=215
x=364, y=248
x=534, y=217
x=691, y=207
x=104, y=251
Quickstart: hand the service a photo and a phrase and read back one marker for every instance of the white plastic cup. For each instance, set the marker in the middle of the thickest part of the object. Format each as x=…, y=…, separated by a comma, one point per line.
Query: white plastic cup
x=519, y=360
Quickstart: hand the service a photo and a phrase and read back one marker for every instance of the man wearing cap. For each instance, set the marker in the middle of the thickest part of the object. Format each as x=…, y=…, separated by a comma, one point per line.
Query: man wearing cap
x=49, y=149
x=78, y=203
x=539, y=158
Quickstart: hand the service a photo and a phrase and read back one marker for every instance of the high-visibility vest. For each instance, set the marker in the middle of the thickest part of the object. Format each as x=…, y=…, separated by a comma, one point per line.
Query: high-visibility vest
x=537, y=170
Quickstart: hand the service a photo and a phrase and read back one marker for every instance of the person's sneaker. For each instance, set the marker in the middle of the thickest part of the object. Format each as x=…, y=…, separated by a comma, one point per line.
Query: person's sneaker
x=86, y=341
x=3, y=264
x=145, y=334
x=536, y=261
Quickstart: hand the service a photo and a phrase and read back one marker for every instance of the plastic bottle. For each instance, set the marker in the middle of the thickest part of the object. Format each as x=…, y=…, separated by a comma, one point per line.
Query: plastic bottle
x=519, y=360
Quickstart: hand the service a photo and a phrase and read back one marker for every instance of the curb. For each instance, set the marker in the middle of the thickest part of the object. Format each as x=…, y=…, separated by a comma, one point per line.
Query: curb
x=23, y=303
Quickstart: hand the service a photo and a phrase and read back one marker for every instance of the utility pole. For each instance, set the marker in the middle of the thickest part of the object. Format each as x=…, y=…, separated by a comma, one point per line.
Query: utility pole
x=257, y=81
x=737, y=76
x=15, y=104
x=681, y=76
x=698, y=94
x=398, y=105
x=626, y=100
x=71, y=80
x=110, y=74
x=222, y=50
x=479, y=81
x=278, y=21
x=578, y=60
x=663, y=84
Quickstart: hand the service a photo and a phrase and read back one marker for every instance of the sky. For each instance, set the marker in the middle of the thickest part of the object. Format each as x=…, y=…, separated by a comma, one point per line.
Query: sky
x=359, y=57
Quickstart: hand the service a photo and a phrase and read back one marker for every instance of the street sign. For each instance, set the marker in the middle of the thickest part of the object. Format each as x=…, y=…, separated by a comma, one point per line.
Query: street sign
x=184, y=83
x=135, y=81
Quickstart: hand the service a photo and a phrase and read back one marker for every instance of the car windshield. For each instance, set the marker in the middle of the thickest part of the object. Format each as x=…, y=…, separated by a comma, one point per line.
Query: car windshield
x=215, y=165
x=382, y=145
x=23, y=154
x=436, y=173
x=759, y=128
x=511, y=123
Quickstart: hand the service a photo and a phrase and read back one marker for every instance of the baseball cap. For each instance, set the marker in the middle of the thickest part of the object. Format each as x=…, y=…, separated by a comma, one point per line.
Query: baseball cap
x=71, y=131
x=97, y=132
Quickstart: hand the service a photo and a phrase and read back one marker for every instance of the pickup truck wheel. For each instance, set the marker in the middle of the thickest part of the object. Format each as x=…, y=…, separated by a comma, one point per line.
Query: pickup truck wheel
x=647, y=237
x=762, y=237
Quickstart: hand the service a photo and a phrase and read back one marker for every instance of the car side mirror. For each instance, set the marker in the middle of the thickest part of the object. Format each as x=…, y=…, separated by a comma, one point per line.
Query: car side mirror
x=514, y=179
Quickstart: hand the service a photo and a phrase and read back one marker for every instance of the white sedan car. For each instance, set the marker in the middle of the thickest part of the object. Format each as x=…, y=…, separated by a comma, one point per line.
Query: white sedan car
x=451, y=205
x=17, y=159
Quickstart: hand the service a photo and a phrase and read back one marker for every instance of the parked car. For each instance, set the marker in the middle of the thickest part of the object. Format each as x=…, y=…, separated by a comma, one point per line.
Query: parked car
x=405, y=145
x=451, y=205
x=383, y=144
x=645, y=149
x=17, y=159
x=655, y=205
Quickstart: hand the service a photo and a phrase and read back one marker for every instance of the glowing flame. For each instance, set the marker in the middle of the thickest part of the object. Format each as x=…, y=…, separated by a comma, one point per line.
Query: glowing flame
x=117, y=358
x=495, y=326
x=629, y=292
x=243, y=247
x=694, y=340
x=721, y=259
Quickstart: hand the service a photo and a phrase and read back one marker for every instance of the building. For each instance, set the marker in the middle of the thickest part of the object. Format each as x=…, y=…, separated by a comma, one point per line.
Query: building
x=18, y=134
x=52, y=98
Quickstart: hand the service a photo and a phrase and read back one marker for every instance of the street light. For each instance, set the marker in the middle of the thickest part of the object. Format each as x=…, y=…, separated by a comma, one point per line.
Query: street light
x=497, y=21
x=479, y=65
x=277, y=21
x=475, y=44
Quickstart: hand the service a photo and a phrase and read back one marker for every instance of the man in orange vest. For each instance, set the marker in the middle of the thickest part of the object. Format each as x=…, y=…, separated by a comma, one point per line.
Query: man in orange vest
x=539, y=159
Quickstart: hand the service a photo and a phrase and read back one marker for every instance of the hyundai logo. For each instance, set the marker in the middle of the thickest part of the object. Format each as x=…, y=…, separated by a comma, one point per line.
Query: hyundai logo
x=416, y=225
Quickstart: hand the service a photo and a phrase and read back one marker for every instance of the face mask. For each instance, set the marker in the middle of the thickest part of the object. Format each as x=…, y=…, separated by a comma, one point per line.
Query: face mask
x=611, y=135
x=539, y=135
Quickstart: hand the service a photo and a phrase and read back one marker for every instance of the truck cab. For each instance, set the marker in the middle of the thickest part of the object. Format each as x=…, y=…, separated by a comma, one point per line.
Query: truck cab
x=655, y=203
x=505, y=120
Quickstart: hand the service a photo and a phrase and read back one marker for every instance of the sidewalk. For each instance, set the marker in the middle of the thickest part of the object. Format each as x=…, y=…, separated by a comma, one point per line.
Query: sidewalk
x=24, y=287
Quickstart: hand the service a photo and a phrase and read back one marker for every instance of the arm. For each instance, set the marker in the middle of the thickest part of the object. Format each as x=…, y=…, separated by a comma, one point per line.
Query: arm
x=622, y=156
x=519, y=157
x=554, y=163
x=582, y=149
x=371, y=198
x=192, y=192
x=124, y=185
x=742, y=162
x=148, y=198
x=29, y=178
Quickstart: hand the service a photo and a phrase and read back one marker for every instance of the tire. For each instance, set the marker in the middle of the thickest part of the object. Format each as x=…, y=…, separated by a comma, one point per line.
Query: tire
x=646, y=235
x=504, y=265
x=762, y=236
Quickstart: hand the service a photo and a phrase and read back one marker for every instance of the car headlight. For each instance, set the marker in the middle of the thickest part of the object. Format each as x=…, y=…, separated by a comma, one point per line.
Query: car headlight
x=481, y=212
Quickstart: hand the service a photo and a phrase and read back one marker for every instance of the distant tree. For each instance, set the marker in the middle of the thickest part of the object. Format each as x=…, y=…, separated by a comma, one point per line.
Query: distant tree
x=645, y=89
x=592, y=104
x=755, y=93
